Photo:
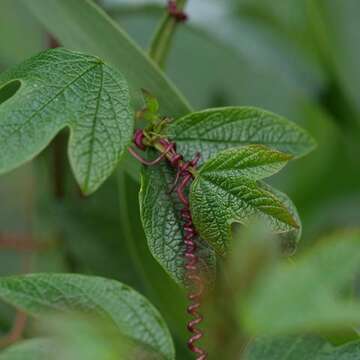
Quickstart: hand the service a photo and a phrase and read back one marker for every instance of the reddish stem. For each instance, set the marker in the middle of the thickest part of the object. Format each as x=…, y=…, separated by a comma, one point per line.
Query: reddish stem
x=147, y=162
x=17, y=243
x=194, y=281
x=17, y=330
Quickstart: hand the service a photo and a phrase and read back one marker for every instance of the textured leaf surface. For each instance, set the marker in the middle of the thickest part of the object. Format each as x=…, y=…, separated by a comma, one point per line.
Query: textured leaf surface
x=159, y=288
x=255, y=162
x=309, y=295
x=300, y=348
x=226, y=191
x=131, y=312
x=213, y=130
x=160, y=213
x=36, y=349
x=59, y=89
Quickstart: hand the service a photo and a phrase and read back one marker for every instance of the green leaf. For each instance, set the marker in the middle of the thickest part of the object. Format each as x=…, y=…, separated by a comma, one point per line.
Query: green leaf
x=79, y=337
x=210, y=131
x=35, y=349
x=300, y=348
x=163, y=226
x=226, y=190
x=309, y=295
x=82, y=25
x=255, y=162
x=59, y=89
x=136, y=318
x=76, y=337
x=158, y=287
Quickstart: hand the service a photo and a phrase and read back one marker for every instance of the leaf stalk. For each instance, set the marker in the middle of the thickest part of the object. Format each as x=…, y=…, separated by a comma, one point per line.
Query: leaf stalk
x=161, y=42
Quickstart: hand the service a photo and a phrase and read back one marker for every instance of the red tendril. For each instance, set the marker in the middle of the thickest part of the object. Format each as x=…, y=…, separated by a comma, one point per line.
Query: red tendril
x=177, y=14
x=194, y=281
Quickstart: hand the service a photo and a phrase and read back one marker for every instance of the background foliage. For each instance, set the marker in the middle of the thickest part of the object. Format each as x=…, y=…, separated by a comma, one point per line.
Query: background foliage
x=297, y=58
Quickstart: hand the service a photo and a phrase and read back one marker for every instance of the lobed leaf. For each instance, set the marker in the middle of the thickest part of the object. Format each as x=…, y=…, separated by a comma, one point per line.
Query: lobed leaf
x=226, y=191
x=213, y=130
x=299, y=348
x=63, y=89
x=310, y=295
x=163, y=226
x=135, y=317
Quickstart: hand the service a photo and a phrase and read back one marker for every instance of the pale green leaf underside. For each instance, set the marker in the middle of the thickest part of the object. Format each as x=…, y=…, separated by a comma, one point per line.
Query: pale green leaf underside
x=213, y=130
x=135, y=317
x=35, y=349
x=60, y=89
x=300, y=348
x=160, y=214
x=309, y=295
x=225, y=191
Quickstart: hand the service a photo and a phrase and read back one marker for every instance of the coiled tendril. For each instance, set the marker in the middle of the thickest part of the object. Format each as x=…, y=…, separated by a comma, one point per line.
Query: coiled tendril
x=194, y=282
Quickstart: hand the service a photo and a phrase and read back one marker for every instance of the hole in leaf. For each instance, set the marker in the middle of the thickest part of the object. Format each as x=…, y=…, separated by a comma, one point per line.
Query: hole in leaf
x=9, y=90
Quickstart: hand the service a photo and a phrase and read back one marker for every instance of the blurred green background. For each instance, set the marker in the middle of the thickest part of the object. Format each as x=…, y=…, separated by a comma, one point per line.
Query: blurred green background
x=298, y=58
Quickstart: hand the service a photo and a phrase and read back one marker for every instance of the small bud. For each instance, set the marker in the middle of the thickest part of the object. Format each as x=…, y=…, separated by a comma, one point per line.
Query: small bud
x=152, y=105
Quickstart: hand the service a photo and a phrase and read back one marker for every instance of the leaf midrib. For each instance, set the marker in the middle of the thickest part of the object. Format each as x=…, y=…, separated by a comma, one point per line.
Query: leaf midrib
x=93, y=129
x=250, y=205
x=60, y=308
x=42, y=107
x=276, y=161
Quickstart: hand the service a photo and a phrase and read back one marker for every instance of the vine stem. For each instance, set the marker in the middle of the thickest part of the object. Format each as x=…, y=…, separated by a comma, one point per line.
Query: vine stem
x=186, y=171
x=161, y=42
x=193, y=279
x=161, y=149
